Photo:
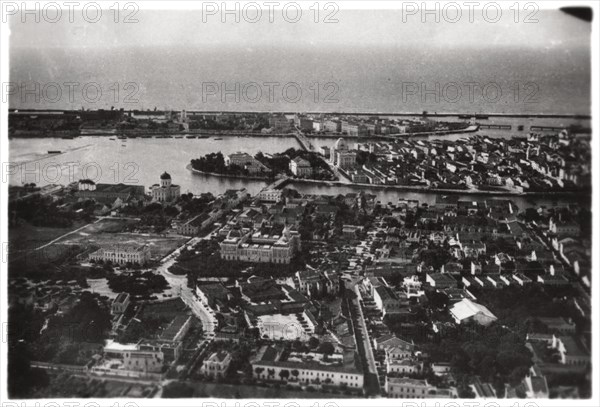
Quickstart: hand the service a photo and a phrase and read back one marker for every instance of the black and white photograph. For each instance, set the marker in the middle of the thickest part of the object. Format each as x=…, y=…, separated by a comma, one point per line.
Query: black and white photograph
x=299, y=203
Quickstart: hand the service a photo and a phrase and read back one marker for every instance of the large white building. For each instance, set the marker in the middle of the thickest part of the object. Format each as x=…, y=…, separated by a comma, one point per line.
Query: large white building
x=253, y=247
x=467, y=310
x=245, y=161
x=303, y=369
x=122, y=254
x=166, y=191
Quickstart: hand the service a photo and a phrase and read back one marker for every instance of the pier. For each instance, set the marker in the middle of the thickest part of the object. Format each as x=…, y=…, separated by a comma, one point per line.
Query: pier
x=496, y=126
x=546, y=128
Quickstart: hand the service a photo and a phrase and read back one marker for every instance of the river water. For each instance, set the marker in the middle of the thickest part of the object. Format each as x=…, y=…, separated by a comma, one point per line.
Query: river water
x=142, y=161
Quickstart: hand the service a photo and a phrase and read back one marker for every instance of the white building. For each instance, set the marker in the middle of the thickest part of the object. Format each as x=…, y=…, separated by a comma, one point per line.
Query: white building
x=467, y=310
x=216, y=365
x=165, y=191
x=312, y=371
x=122, y=254
x=270, y=195
x=300, y=167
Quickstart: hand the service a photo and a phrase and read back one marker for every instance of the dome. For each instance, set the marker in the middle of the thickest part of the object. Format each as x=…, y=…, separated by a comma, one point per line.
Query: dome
x=340, y=144
x=165, y=175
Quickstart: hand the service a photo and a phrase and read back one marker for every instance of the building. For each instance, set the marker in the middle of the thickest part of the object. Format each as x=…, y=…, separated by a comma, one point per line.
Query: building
x=216, y=365
x=133, y=358
x=108, y=193
x=341, y=156
x=440, y=281
x=467, y=310
x=354, y=129
x=165, y=191
x=258, y=248
x=345, y=159
x=572, y=352
x=334, y=126
x=144, y=361
x=120, y=303
x=177, y=329
x=247, y=162
x=122, y=254
x=300, y=167
x=313, y=283
x=394, y=346
x=306, y=369
x=325, y=151
x=195, y=225
x=279, y=123
x=405, y=388
x=402, y=367
x=386, y=300
x=270, y=195
x=305, y=124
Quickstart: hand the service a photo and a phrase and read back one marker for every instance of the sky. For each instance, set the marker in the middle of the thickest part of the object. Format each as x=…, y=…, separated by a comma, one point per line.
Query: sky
x=368, y=54
x=369, y=28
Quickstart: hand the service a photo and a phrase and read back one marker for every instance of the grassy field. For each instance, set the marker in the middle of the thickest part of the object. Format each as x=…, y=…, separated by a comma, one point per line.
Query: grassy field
x=27, y=237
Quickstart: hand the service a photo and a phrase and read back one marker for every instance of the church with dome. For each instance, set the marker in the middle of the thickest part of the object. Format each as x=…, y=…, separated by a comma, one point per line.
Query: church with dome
x=341, y=156
x=166, y=191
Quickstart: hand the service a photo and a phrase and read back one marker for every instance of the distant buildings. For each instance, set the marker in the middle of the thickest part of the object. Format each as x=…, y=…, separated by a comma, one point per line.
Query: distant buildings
x=165, y=191
x=122, y=254
x=280, y=123
x=334, y=126
x=355, y=129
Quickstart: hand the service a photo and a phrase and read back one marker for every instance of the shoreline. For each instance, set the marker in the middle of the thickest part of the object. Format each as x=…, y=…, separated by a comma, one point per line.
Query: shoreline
x=429, y=114
x=234, y=133
x=243, y=177
x=419, y=189
x=400, y=188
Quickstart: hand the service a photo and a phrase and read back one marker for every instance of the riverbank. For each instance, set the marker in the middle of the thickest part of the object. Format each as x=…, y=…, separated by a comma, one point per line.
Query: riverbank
x=204, y=134
x=400, y=188
x=216, y=174
x=417, y=189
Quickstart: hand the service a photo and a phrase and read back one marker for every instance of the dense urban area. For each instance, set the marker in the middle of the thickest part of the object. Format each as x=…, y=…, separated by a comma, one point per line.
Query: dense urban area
x=126, y=290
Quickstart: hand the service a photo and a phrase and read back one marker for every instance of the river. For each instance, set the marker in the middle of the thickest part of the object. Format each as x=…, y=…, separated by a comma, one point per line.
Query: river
x=142, y=160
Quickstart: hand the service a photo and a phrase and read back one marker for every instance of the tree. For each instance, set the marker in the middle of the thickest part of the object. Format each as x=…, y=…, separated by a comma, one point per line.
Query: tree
x=284, y=374
x=295, y=373
x=259, y=370
x=313, y=342
x=327, y=348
